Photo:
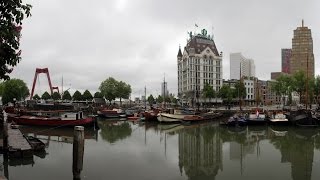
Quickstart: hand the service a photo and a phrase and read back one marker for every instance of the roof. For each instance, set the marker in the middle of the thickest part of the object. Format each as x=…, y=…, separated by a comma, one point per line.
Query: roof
x=200, y=43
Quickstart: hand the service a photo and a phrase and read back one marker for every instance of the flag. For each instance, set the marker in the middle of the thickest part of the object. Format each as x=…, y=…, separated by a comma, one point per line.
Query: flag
x=195, y=25
x=257, y=113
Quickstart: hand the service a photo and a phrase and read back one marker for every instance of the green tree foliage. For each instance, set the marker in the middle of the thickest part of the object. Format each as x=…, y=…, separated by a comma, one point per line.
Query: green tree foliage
x=14, y=88
x=317, y=88
x=208, y=91
x=240, y=90
x=151, y=99
x=159, y=99
x=226, y=93
x=1, y=88
x=36, y=97
x=299, y=83
x=108, y=89
x=98, y=95
x=66, y=95
x=12, y=12
x=123, y=91
x=282, y=86
x=56, y=96
x=45, y=96
x=112, y=89
x=77, y=96
x=87, y=95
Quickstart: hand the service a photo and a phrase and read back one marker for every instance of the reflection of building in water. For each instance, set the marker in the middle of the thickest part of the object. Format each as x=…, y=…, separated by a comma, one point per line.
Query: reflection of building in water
x=297, y=148
x=200, y=152
x=238, y=150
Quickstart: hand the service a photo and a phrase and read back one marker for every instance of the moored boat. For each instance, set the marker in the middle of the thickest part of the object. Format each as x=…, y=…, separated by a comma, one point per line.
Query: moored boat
x=256, y=117
x=111, y=113
x=279, y=118
x=65, y=119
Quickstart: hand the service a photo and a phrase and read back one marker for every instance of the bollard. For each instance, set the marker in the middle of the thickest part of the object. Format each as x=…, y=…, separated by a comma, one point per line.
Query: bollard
x=78, y=150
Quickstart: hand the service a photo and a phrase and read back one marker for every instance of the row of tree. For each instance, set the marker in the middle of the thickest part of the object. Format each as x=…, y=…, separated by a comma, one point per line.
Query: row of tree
x=307, y=88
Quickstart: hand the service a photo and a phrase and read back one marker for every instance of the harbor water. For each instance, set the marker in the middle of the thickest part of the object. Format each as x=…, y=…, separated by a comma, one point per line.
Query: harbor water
x=142, y=151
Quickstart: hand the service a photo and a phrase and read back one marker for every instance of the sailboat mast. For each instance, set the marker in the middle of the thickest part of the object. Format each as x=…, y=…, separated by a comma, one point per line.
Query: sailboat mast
x=240, y=95
x=307, y=82
x=145, y=98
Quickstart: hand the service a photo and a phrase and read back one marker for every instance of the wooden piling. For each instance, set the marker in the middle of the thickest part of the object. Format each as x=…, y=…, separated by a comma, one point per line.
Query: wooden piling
x=78, y=150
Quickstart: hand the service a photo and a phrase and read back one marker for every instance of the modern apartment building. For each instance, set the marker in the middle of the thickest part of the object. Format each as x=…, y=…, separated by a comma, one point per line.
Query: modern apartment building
x=240, y=64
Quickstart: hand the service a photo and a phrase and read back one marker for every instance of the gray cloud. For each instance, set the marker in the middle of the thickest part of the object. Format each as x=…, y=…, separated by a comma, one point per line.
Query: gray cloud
x=137, y=41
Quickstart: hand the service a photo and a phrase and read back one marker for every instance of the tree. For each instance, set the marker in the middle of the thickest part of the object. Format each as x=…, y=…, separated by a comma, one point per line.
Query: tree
x=317, y=88
x=282, y=86
x=77, y=96
x=14, y=88
x=123, y=91
x=87, y=95
x=98, y=95
x=12, y=12
x=1, y=88
x=226, y=93
x=108, y=89
x=159, y=99
x=240, y=90
x=56, y=96
x=299, y=83
x=208, y=91
x=45, y=96
x=66, y=95
x=150, y=99
x=36, y=97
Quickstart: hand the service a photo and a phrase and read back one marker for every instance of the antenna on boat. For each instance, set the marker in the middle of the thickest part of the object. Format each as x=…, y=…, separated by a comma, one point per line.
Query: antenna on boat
x=145, y=98
x=307, y=78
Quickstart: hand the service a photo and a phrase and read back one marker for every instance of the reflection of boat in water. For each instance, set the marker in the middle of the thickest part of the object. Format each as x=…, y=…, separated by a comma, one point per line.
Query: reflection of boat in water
x=89, y=133
x=169, y=127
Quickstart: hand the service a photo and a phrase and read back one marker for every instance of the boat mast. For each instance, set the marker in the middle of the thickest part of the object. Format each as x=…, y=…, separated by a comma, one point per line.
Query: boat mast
x=240, y=95
x=307, y=83
x=145, y=98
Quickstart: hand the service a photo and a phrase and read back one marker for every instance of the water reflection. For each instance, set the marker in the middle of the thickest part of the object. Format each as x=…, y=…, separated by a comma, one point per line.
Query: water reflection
x=112, y=131
x=176, y=151
x=200, y=152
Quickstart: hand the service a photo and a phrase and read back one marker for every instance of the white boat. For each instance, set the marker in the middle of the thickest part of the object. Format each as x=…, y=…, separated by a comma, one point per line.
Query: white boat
x=279, y=118
x=257, y=116
x=177, y=116
x=166, y=117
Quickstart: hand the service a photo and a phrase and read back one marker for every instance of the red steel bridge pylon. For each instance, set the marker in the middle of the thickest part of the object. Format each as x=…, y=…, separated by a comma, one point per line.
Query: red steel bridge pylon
x=39, y=71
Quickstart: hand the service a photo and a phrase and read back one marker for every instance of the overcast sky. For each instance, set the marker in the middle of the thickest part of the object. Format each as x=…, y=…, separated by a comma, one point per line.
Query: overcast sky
x=136, y=41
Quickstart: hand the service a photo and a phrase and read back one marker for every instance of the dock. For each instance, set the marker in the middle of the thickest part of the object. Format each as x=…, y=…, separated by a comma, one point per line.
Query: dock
x=18, y=146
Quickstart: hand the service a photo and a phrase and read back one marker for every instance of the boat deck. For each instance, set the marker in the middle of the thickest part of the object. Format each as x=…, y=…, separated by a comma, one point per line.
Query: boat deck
x=18, y=146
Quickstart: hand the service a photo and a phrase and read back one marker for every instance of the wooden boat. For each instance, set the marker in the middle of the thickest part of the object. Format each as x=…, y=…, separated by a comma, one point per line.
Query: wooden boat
x=151, y=115
x=36, y=144
x=65, y=119
x=303, y=118
x=111, y=113
x=177, y=116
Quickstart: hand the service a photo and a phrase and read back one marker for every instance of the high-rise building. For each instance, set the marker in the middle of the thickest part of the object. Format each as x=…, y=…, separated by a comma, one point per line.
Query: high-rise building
x=240, y=64
x=302, y=57
x=285, y=60
x=164, y=89
x=200, y=63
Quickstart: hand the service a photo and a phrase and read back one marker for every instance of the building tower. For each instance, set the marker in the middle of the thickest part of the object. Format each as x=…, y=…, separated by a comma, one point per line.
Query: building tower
x=240, y=63
x=302, y=51
x=285, y=60
x=200, y=63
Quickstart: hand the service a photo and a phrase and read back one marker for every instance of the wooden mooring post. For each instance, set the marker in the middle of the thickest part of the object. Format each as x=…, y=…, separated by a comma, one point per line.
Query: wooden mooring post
x=78, y=150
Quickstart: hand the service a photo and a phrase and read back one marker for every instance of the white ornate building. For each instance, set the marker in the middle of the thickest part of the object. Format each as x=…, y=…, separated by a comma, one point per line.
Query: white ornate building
x=200, y=63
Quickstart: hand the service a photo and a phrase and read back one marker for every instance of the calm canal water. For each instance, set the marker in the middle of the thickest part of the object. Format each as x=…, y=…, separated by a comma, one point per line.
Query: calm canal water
x=132, y=150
